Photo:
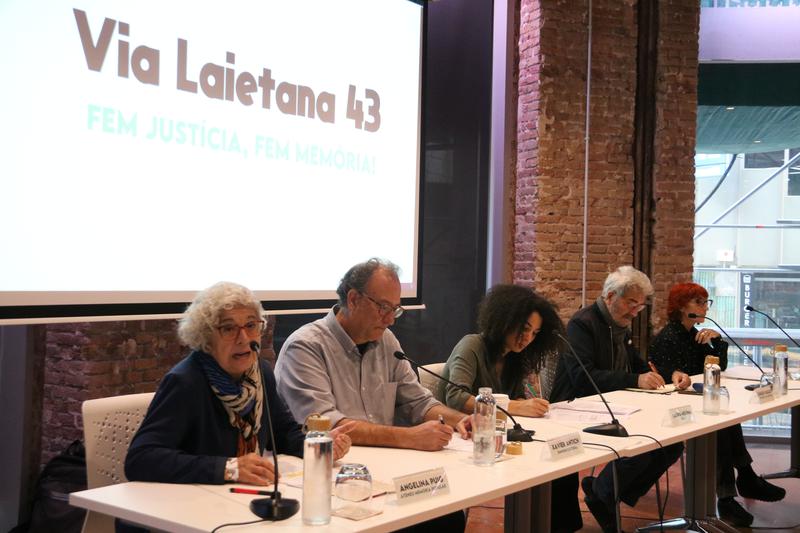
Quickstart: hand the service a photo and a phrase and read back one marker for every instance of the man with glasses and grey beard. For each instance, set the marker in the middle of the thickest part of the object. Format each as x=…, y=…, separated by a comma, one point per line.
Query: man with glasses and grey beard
x=343, y=366
x=600, y=335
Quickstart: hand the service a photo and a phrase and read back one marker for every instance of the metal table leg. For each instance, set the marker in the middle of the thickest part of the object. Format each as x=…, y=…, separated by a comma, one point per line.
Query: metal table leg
x=528, y=510
x=794, y=449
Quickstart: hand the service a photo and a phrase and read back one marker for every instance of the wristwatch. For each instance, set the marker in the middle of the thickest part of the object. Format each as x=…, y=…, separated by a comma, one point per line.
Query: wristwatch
x=232, y=469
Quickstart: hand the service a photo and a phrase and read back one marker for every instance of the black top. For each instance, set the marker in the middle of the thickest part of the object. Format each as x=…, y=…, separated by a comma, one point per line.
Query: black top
x=186, y=436
x=591, y=338
x=674, y=348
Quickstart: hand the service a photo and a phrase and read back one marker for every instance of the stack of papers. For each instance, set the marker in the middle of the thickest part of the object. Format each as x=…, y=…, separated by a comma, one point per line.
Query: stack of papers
x=589, y=411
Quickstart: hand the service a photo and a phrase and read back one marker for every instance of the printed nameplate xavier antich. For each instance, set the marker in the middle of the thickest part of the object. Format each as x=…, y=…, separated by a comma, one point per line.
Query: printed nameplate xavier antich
x=564, y=446
x=421, y=485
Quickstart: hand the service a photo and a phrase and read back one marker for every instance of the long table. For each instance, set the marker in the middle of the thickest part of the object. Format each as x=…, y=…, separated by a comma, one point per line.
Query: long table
x=523, y=480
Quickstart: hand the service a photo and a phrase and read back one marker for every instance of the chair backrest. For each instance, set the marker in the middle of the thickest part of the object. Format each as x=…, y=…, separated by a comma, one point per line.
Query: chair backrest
x=109, y=424
x=431, y=382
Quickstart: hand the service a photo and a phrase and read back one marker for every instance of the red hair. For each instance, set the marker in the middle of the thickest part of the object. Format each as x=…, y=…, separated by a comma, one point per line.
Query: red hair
x=680, y=295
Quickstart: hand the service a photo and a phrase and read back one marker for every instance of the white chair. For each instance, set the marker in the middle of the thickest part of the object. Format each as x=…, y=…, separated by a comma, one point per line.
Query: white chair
x=109, y=424
x=431, y=382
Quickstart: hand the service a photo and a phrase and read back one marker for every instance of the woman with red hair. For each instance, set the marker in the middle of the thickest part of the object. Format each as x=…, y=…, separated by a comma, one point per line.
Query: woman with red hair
x=681, y=347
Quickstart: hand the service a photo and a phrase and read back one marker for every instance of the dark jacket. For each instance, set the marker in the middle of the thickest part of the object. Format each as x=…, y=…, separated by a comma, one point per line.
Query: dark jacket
x=674, y=348
x=590, y=337
x=186, y=437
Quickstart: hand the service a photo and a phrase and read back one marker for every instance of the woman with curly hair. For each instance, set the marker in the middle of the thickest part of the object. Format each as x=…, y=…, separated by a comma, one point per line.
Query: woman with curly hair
x=682, y=347
x=514, y=353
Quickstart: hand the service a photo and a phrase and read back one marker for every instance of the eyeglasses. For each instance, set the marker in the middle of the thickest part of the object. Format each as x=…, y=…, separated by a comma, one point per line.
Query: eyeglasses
x=701, y=302
x=636, y=305
x=384, y=308
x=231, y=331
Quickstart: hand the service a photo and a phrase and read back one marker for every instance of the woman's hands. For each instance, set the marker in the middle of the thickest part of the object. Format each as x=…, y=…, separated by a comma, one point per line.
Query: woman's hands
x=535, y=407
x=255, y=470
x=705, y=335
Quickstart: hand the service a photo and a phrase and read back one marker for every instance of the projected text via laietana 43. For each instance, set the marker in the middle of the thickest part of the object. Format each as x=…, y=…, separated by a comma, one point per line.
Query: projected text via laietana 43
x=223, y=82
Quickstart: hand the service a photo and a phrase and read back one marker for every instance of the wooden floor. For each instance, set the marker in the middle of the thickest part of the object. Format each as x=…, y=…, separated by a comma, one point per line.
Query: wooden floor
x=777, y=517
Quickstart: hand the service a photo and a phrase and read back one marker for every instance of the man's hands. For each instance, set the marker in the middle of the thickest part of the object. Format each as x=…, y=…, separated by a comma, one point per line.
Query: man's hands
x=430, y=436
x=650, y=380
x=341, y=439
x=255, y=470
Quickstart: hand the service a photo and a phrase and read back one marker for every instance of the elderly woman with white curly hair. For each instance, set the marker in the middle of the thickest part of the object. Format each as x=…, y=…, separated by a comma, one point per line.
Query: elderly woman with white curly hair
x=208, y=420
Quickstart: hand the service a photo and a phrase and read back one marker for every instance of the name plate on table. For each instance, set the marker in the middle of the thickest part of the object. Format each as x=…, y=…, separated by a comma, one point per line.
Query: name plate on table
x=677, y=416
x=563, y=446
x=763, y=394
x=421, y=485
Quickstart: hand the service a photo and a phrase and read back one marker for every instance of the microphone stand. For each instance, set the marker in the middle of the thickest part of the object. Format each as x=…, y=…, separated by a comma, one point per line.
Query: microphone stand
x=515, y=434
x=614, y=429
x=272, y=508
x=754, y=310
x=794, y=448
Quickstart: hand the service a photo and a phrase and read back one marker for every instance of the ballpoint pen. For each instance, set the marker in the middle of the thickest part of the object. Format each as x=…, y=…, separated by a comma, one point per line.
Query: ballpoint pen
x=441, y=419
x=531, y=390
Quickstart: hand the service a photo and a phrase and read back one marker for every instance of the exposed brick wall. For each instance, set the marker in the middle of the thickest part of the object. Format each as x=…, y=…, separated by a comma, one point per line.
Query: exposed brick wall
x=100, y=359
x=673, y=171
x=550, y=157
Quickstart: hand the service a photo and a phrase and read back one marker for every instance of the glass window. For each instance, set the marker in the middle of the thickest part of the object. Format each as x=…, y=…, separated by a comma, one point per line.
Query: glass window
x=794, y=175
x=764, y=160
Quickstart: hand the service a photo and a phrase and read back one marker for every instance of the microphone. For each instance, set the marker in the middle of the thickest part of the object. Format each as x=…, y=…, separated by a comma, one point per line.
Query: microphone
x=614, y=429
x=273, y=508
x=695, y=315
x=754, y=310
x=516, y=434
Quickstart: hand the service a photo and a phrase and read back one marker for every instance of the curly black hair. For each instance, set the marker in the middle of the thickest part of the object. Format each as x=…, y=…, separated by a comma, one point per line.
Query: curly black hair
x=505, y=309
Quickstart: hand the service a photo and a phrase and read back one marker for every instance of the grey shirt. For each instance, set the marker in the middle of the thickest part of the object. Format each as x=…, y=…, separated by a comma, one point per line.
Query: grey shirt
x=468, y=365
x=320, y=370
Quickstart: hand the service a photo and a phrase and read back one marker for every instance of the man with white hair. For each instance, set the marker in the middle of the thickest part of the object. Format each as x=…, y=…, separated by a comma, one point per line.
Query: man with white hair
x=600, y=335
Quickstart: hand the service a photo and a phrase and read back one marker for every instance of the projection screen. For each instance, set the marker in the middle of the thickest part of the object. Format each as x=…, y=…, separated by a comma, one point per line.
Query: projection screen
x=151, y=149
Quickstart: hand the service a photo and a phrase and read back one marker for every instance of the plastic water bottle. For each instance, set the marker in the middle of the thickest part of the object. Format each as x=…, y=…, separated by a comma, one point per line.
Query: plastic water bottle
x=780, y=370
x=483, y=442
x=712, y=381
x=317, y=471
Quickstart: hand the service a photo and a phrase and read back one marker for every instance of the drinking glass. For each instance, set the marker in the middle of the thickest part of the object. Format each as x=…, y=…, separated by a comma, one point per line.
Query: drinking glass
x=499, y=438
x=353, y=486
x=794, y=363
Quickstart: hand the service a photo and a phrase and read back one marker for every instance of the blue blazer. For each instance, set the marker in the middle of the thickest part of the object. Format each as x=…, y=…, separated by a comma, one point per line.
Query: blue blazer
x=185, y=436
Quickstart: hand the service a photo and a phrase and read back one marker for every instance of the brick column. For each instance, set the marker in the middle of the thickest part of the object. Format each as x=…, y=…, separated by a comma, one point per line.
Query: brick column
x=550, y=158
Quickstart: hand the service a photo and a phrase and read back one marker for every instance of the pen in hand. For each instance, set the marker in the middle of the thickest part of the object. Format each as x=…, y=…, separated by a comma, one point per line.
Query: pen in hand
x=531, y=390
x=441, y=419
x=653, y=369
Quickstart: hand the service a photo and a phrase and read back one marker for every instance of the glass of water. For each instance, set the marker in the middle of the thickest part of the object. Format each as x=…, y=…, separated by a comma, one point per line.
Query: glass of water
x=499, y=437
x=794, y=363
x=353, y=491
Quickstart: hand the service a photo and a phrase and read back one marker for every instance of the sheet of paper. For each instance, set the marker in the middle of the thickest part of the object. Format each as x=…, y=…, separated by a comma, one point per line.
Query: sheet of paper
x=594, y=406
x=742, y=372
x=666, y=389
x=460, y=445
x=565, y=415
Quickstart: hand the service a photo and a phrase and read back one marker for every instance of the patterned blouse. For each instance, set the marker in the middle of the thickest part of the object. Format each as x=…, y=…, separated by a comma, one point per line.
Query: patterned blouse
x=674, y=348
